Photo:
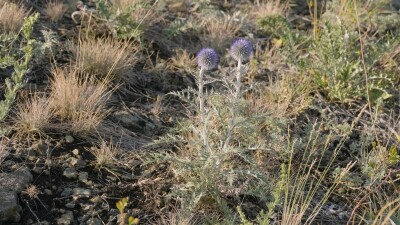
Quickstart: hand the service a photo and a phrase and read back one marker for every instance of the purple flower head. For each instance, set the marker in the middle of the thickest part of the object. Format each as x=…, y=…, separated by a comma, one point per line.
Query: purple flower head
x=241, y=49
x=207, y=59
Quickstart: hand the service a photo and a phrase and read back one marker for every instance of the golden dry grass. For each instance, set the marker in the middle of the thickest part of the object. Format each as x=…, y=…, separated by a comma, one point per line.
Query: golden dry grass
x=288, y=96
x=125, y=4
x=105, y=154
x=79, y=99
x=220, y=31
x=104, y=58
x=183, y=61
x=55, y=10
x=179, y=217
x=11, y=16
x=269, y=8
x=32, y=116
x=3, y=150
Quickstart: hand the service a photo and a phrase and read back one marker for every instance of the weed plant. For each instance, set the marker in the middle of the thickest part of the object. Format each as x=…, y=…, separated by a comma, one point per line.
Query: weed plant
x=21, y=65
x=216, y=158
x=120, y=17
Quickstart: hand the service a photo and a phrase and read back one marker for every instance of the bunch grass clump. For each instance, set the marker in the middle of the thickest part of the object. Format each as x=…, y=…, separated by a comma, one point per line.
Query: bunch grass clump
x=55, y=10
x=105, y=154
x=79, y=99
x=221, y=30
x=104, y=58
x=32, y=116
x=11, y=16
x=3, y=150
x=269, y=8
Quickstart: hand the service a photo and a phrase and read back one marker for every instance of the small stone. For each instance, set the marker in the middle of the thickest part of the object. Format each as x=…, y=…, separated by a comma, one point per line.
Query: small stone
x=127, y=176
x=66, y=218
x=127, y=119
x=77, y=162
x=48, y=192
x=94, y=221
x=70, y=173
x=83, y=177
x=112, y=178
x=114, y=212
x=43, y=222
x=96, y=200
x=81, y=192
x=69, y=139
x=37, y=169
x=70, y=205
x=66, y=192
x=41, y=148
x=75, y=152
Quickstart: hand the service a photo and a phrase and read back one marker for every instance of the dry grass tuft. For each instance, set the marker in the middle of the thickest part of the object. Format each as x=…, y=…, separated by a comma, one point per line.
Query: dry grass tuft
x=125, y=4
x=32, y=191
x=183, y=61
x=55, y=10
x=287, y=96
x=105, y=154
x=104, y=58
x=179, y=217
x=11, y=16
x=220, y=31
x=269, y=8
x=32, y=116
x=3, y=150
x=79, y=99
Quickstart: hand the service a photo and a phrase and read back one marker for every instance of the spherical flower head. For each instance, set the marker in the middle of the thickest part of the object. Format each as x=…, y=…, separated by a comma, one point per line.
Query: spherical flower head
x=241, y=49
x=207, y=59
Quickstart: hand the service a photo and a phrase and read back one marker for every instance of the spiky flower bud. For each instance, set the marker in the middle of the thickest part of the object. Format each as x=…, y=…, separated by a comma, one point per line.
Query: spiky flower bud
x=241, y=49
x=207, y=59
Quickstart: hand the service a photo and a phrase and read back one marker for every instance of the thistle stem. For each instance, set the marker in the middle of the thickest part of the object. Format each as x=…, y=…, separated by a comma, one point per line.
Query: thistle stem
x=202, y=111
x=235, y=105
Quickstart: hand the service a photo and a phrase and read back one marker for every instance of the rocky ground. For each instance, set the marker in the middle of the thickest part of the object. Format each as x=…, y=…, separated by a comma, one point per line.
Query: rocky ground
x=53, y=179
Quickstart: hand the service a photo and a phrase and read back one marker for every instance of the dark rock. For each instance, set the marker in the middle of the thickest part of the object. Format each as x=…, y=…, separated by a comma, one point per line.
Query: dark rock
x=70, y=173
x=66, y=219
x=16, y=180
x=9, y=207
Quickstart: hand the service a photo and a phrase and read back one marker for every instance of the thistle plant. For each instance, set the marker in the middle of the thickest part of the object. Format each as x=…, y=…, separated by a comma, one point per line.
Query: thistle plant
x=241, y=50
x=207, y=59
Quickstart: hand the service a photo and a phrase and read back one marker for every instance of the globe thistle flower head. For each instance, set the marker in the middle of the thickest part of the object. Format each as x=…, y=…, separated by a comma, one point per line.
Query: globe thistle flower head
x=241, y=49
x=207, y=59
